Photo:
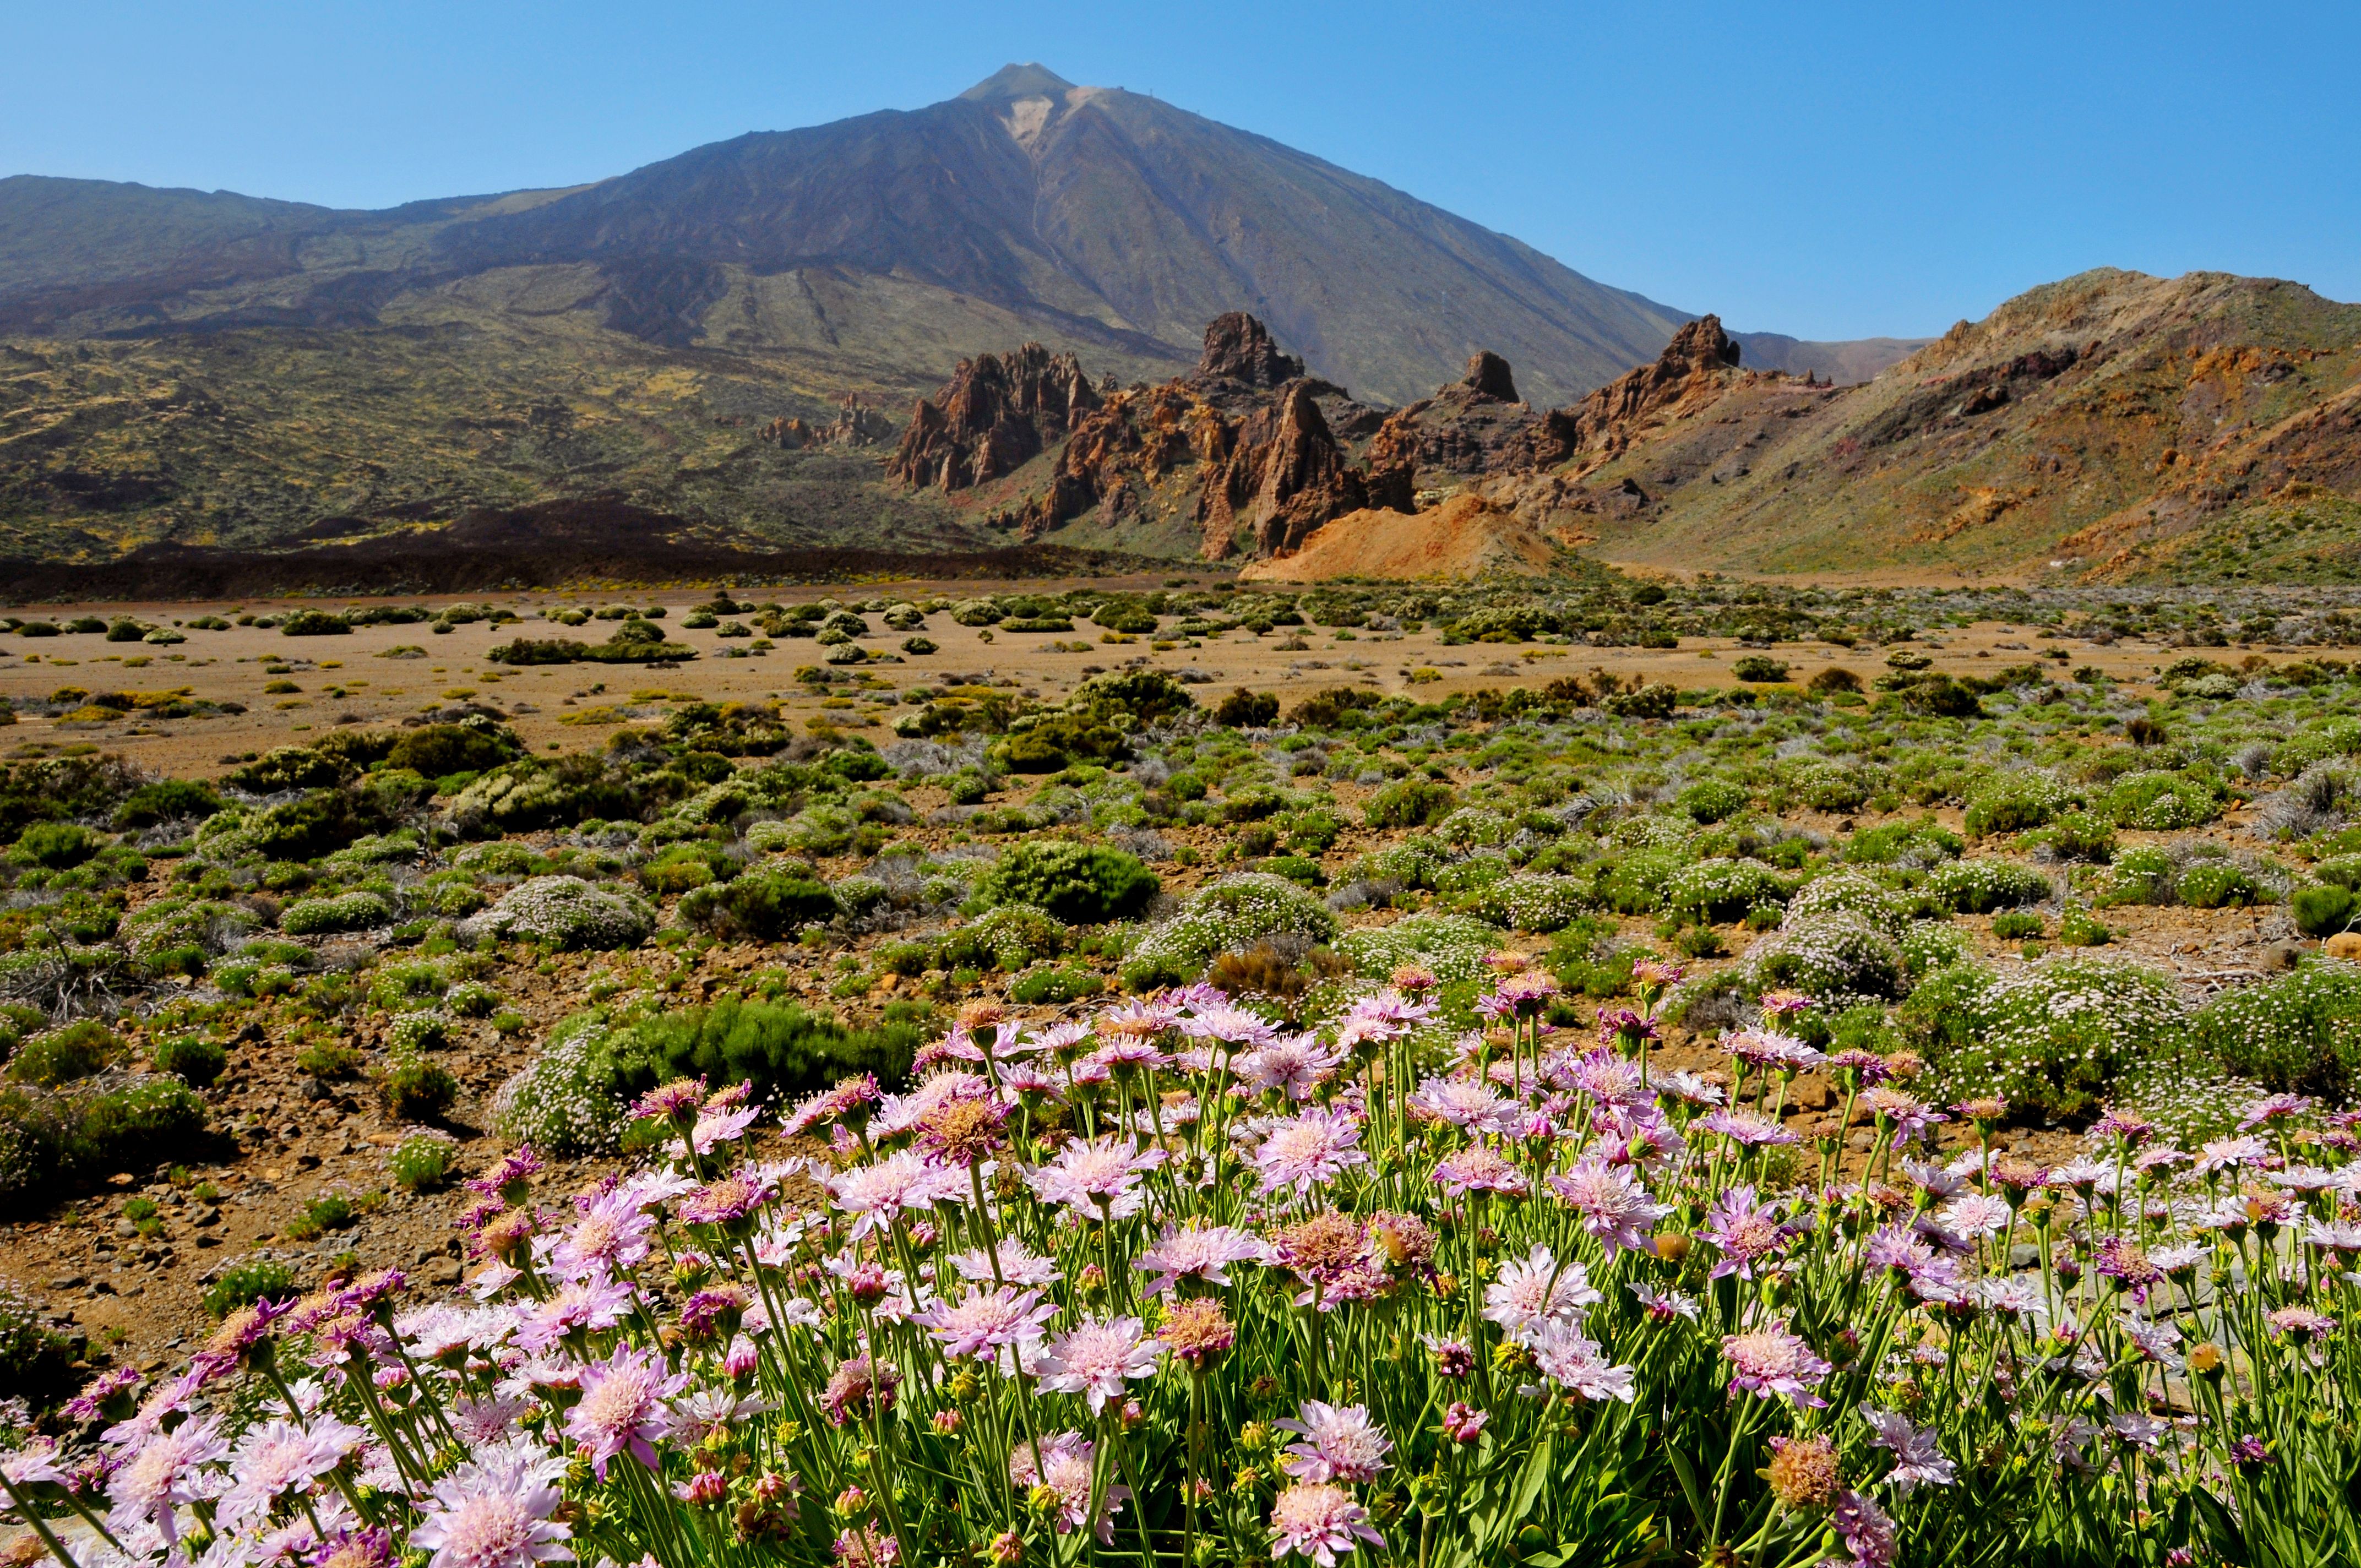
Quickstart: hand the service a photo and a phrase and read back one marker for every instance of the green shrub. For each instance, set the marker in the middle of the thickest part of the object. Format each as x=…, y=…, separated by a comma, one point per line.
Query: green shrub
x=1722, y=889
x=314, y=623
x=1228, y=915
x=438, y=751
x=1930, y=945
x=2082, y=836
x=1008, y=937
x=472, y=999
x=55, y=845
x=1979, y=887
x=48, y=1137
x=419, y=1090
x=419, y=1163
x=1654, y=701
x=64, y=1056
x=1051, y=984
x=37, y=1361
x=330, y=1062
x=784, y=1049
x=1412, y=802
x=247, y=1281
x=767, y=902
x=1531, y=903
x=2016, y=801
x=1634, y=884
x=2296, y=1033
x=1758, y=668
x=1244, y=709
x=2018, y=925
x=1831, y=786
x=1711, y=800
x=2325, y=910
x=2079, y=928
x=1081, y=884
x=2145, y=874
x=1923, y=840
x=569, y=914
x=345, y=912
x=422, y=1031
x=1450, y=946
x=2217, y=884
x=2158, y=801
x=197, y=1060
x=2056, y=1039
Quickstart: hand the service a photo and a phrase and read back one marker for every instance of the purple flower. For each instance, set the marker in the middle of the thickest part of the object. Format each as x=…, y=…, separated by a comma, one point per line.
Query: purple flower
x=1615, y=1209
x=1341, y=1443
x=1203, y=1253
x=1309, y=1150
x=1318, y=1520
x=1067, y=1468
x=494, y=1512
x=1467, y=1102
x=1745, y=1127
x=1743, y=1232
x=987, y=1323
x=1571, y=1359
x=1867, y=1531
x=1917, y=1457
x=1095, y=1358
x=1479, y=1167
x=163, y=1474
x=623, y=1407
x=1094, y=1176
x=1770, y=1361
x=1536, y=1290
x=848, y=1101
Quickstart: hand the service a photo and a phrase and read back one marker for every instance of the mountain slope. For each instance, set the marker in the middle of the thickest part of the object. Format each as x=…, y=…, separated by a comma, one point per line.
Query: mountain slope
x=189, y=367
x=2115, y=425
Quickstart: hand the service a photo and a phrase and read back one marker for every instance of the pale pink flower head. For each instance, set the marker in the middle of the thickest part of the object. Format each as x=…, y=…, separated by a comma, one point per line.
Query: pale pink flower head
x=1479, y=1167
x=1771, y=1360
x=1097, y=1175
x=1067, y=1467
x=164, y=1475
x=1574, y=1361
x=277, y=1457
x=623, y=1406
x=986, y=1322
x=1317, y=1521
x=1535, y=1290
x=1340, y=1443
x=1309, y=1150
x=494, y=1512
x=1614, y=1207
x=1294, y=1065
x=1095, y=1358
x=1203, y=1253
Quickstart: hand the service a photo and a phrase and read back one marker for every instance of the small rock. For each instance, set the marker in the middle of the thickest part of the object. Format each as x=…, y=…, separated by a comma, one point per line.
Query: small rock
x=125, y=1229
x=206, y=1239
x=69, y=1281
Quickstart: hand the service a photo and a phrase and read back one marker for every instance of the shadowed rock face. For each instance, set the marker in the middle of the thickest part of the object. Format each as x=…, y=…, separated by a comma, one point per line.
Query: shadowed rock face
x=992, y=417
x=1239, y=348
x=1488, y=376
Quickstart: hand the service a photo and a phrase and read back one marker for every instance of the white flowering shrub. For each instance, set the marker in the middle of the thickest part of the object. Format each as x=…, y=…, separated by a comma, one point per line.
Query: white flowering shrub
x=1849, y=892
x=1835, y=957
x=1930, y=945
x=1472, y=875
x=2300, y=1033
x=1826, y=786
x=2054, y=1037
x=2159, y=801
x=1450, y=946
x=1531, y=902
x=1471, y=826
x=421, y=1031
x=568, y=913
x=1724, y=889
x=1228, y=915
x=1653, y=832
x=2015, y=800
x=345, y=912
x=1979, y=887
x=563, y=1099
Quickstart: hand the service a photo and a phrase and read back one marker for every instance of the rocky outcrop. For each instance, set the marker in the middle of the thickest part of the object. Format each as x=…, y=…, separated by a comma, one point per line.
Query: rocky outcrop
x=1240, y=348
x=1474, y=427
x=855, y=425
x=1246, y=447
x=1695, y=365
x=993, y=416
x=1488, y=377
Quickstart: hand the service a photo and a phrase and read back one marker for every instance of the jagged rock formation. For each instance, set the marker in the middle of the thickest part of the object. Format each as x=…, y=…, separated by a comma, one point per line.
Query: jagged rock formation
x=1239, y=348
x=855, y=425
x=1692, y=366
x=992, y=417
x=1243, y=447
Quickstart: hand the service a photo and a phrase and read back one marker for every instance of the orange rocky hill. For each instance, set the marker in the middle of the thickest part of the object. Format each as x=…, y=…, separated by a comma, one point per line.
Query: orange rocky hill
x=2112, y=425
x=1465, y=537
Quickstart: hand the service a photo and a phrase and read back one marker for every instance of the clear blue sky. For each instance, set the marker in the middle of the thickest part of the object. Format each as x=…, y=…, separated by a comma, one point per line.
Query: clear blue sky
x=1827, y=171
